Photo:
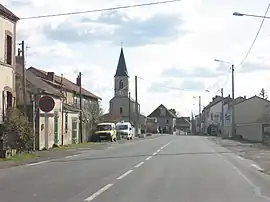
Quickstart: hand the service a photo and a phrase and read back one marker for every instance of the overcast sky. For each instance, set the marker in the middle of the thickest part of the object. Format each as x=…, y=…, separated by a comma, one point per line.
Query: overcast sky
x=172, y=47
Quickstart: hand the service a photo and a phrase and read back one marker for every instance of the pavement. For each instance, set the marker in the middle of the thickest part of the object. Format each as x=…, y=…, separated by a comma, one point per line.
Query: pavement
x=166, y=168
x=257, y=152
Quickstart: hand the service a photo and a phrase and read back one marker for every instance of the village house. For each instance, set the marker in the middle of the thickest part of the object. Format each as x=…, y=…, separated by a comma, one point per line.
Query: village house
x=7, y=60
x=46, y=134
x=71, y=105
x=165, y=118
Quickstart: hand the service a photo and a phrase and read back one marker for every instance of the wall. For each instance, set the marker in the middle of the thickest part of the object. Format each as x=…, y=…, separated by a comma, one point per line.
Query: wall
x=162, y=123
x=249, y=131
x=123, y=102
x=216, y=111
x=57, y=108
x=68, y=132
x=7, y=78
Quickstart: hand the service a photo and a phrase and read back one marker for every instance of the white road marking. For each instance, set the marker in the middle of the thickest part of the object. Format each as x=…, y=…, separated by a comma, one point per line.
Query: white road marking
x=257, y=167
x=149, y=157
x=240, y=157
x=67, y=157
x=125, y=174
x=158, y=150
x=138, y=165
x=90, y=198
x=38, y=163
x=155, y=153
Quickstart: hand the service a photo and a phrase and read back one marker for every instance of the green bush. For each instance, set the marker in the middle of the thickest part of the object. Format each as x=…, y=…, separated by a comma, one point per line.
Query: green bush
x=18, y=130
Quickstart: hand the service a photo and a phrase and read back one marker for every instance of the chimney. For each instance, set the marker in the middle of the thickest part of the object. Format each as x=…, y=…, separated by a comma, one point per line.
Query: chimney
x=245, y=97
x=50, y=76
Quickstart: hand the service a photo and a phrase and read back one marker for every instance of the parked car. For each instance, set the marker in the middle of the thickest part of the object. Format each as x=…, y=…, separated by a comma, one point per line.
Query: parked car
x=105, y=131
x=125, y=130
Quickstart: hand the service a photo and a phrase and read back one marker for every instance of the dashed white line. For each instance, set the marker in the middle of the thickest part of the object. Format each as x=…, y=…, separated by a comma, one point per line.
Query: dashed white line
x=257, y=167
x=155, y=153
x=125, y=174
x=149, y=157
x=90, y=198
x=159, y=150
x=38, y=163
x=138, y=165
x=67, y=157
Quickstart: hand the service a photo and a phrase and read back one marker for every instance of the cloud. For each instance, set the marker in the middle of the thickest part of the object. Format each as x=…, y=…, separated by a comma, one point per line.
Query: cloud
x=198, y=72
x=193, y=85
x=249, y=67
x=113, y=27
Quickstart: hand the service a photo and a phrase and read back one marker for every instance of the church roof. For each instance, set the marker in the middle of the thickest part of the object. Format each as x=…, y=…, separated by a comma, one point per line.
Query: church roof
x=121, y=67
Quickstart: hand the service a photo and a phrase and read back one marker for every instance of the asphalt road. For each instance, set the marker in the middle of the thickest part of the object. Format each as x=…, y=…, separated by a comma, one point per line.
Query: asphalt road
x=168, y=168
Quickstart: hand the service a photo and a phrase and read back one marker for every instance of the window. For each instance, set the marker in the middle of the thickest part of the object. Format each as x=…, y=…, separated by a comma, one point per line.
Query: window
x=167, y=121
x=121, y=84
x=211, y=116
x=66, y=122
x=121, y=110
x=9, y=50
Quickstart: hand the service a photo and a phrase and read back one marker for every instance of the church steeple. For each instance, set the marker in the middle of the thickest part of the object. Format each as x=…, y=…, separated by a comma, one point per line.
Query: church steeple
x=121, y=67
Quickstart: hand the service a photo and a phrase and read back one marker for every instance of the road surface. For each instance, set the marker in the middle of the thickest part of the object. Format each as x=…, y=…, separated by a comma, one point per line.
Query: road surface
x=168, y=168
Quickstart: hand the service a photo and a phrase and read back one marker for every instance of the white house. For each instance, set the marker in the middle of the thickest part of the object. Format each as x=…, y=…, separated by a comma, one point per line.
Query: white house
x=7, y=59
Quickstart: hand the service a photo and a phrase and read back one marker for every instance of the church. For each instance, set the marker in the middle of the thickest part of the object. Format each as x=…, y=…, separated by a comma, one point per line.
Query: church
x=122, y=106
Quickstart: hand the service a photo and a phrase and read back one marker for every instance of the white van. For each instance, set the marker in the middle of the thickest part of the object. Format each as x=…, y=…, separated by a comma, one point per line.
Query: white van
x=124, y=130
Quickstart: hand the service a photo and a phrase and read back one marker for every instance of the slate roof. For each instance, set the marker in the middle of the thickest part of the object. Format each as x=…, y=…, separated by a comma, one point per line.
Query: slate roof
x=182, y=120
x=8, y=14
x=67, y=84
x=155, y=113
x=36, y=81
x=121, y=67
x=218, y=99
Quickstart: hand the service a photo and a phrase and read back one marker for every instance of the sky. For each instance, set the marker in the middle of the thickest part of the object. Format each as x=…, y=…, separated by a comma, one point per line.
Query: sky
x=170, y=47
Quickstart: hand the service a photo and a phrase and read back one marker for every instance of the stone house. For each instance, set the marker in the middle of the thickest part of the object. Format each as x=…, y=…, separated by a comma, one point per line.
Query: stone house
x=8, y=23
x=71, y=104
x=165, y=118
x=46, y=134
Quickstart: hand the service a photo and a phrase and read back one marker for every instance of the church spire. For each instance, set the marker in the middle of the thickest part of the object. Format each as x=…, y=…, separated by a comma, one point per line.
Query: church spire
x=121, y=67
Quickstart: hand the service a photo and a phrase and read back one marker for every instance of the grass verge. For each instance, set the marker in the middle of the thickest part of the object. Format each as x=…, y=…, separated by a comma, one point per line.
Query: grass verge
x=20, y=157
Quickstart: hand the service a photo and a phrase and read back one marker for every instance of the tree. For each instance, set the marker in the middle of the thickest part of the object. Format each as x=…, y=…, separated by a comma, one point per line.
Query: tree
x=17, y=130
x=93, y=112
x=173, y=111
x=263, y=94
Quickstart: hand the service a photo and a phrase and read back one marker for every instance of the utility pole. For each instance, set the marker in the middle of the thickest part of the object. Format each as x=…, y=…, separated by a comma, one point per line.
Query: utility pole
x=81, y=119
x=23, y=76
x=62, y=111
x=233, y=108
x=34, y=121
x=200, y=115
x=129, y=107
x=222, y=112
x=136, y=107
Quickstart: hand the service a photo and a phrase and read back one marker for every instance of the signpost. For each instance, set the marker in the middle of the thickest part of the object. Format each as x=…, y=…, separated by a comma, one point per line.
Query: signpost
x=46, y=104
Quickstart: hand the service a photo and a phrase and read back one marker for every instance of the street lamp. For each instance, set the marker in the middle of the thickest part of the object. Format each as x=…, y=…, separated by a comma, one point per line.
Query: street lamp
x=233, y=110
x=249, y=15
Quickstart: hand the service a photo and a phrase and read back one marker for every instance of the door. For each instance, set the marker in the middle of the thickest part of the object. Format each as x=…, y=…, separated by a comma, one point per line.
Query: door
x=74, y=130
x=56, y=127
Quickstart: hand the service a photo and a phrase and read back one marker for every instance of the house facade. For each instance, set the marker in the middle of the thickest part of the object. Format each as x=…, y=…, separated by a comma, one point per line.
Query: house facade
x=250, y=115
x=7, y=59
x=166, y=119
x=71, y=106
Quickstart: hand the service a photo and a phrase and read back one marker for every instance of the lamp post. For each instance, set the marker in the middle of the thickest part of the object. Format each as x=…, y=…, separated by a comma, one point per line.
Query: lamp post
x=233, y=104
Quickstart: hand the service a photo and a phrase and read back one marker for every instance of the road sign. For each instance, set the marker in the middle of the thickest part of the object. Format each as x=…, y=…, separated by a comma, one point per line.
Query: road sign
x=46, y=103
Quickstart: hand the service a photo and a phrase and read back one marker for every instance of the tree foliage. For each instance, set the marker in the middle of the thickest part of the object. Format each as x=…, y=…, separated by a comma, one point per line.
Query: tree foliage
x=93, y=112
x=263, y=94
x=18, y=132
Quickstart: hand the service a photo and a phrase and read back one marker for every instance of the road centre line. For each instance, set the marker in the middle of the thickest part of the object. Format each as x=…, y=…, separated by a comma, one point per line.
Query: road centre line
x=93, y=196
x=149, y=157
x=38, y=163
x=125, y=174
x=139, y=164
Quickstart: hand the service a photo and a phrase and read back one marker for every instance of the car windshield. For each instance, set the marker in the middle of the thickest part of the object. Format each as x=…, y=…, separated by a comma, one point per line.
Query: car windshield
x=104, y=127
x=122, y=127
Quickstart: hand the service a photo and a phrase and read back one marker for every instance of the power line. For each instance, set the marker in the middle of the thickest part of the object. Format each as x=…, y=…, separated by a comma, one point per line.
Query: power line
x=100, y=10
x=258, y=32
